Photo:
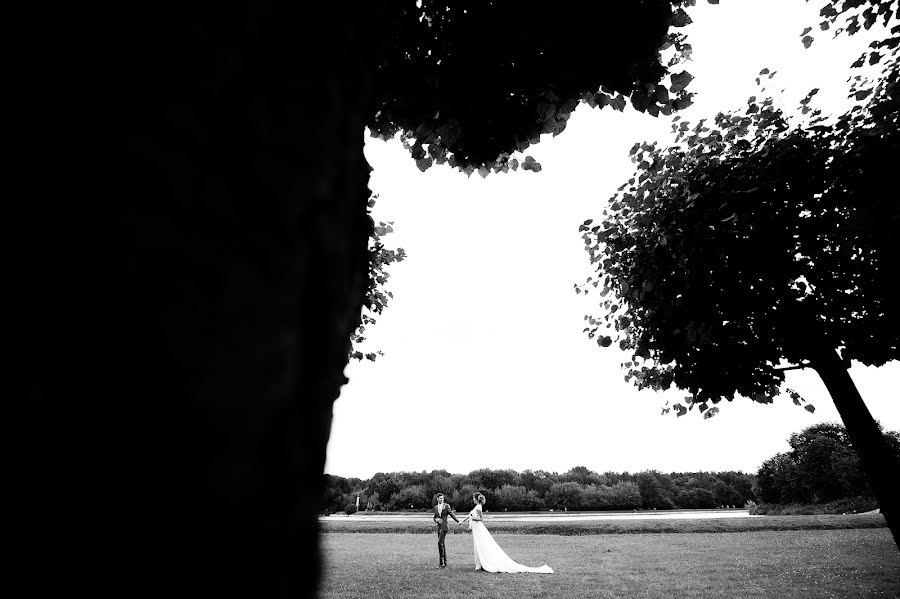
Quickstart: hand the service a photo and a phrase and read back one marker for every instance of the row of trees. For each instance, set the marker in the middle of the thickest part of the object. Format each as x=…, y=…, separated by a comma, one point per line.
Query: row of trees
x=821, y=466
x=578, y=489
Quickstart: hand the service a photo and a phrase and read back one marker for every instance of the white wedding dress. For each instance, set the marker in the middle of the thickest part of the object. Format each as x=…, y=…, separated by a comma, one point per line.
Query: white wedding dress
x=488, y=554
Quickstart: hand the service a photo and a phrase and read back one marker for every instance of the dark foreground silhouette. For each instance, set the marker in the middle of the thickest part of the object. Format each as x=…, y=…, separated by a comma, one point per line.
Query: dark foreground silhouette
x=185, y=253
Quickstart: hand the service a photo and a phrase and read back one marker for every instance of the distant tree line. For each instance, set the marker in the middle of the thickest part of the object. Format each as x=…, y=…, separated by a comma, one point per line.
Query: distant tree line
x=821, y=466
x=507, y=490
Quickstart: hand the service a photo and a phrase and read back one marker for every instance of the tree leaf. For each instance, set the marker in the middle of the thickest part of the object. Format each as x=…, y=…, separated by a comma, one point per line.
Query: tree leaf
x=680, y=18
x=680, y=81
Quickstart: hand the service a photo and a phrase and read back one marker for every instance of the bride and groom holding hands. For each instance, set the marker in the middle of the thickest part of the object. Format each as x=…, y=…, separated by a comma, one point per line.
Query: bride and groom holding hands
x=488, y=554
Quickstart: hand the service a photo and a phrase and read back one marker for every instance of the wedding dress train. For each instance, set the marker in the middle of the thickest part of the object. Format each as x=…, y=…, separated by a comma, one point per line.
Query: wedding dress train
x=488, y=554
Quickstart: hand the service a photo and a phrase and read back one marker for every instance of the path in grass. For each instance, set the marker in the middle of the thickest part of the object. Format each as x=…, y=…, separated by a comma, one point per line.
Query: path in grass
x=769, y=564
x=549, y=517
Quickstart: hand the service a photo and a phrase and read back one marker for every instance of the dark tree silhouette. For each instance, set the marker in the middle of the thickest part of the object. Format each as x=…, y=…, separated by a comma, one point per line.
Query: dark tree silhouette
x=186, y=260
x=750, y=243
x=472, y=83
x=186, y=253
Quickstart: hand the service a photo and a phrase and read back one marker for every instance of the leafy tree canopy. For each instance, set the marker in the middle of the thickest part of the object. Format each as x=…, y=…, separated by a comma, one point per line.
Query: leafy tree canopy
x=849, y=16
x=821, y=466
x=750, y=242
x=470, y=82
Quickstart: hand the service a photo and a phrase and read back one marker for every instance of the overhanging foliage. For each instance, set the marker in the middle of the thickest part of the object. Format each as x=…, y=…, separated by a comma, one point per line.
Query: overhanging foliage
x=470, y=83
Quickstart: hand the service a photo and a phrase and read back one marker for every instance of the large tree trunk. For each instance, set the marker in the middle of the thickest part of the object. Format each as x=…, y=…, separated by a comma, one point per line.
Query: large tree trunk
x=881, y=465
x=186, y=258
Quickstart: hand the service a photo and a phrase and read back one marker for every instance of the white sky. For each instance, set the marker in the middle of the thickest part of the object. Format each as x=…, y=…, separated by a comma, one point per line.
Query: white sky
x=486, y=365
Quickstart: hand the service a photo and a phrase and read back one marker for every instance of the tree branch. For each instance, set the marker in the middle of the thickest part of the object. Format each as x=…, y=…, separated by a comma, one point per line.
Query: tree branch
x=795, y=367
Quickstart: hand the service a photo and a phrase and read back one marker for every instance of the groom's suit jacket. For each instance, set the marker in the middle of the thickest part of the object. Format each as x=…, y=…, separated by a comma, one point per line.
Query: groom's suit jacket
x=440, y=516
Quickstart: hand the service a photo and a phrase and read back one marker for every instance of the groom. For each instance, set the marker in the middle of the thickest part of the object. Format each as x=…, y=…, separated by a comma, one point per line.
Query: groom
x=441, y=511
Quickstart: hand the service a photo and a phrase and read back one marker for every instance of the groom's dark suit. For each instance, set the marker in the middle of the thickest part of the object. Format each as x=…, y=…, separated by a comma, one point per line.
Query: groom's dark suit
x=441, y=511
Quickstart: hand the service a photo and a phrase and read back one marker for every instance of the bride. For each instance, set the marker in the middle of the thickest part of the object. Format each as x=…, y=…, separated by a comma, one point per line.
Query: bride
x=488, y=554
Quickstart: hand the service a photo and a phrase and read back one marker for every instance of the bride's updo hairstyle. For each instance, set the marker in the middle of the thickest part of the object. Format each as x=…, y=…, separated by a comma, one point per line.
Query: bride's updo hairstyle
x=479, y=498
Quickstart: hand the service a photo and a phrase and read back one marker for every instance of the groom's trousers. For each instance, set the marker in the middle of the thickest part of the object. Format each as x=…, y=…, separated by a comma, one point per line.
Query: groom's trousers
x=442, y=550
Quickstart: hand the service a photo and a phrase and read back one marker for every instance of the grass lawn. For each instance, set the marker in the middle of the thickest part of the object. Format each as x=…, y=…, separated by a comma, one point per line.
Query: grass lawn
x=771, y=564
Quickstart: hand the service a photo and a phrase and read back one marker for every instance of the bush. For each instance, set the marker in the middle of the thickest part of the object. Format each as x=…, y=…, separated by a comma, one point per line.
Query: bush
x=350, y=508
x=851, y=505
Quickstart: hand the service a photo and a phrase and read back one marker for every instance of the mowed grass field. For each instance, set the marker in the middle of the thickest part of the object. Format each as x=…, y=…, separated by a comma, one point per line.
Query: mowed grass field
x=846, y=562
